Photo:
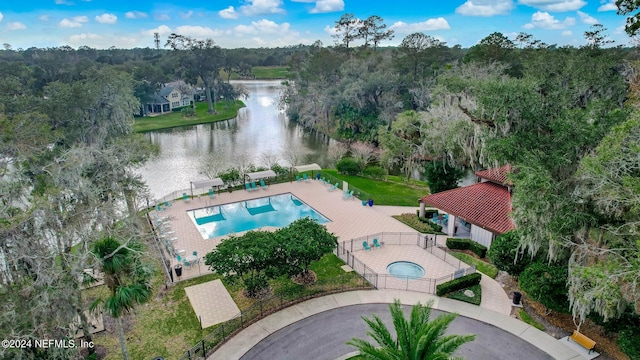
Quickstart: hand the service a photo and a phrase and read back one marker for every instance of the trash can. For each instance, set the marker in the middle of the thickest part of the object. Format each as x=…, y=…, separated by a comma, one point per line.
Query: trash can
x=178, y=269
x=517, y=296
x=370, y=202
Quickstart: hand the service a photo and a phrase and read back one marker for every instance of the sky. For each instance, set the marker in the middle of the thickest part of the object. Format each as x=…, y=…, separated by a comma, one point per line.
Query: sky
x=274, y=23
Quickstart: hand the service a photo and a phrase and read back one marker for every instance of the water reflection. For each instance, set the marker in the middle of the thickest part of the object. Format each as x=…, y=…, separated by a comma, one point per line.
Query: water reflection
x=259, y=128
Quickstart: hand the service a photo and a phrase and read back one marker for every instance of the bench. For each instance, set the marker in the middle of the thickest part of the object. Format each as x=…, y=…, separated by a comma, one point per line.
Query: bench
x=582, y=340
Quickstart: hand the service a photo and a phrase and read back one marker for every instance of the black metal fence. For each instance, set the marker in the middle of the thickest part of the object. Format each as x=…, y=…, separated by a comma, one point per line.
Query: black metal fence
x=272, y=304
x=347, y=248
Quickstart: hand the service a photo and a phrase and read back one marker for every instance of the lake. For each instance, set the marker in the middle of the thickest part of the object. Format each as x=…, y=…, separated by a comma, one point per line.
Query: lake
x=260, y=128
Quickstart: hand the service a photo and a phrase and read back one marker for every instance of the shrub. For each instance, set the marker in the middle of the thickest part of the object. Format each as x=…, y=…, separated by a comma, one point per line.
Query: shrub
x=547, y=284
x=279, y=169
x=374, y=172
x=505, y=256
x=458, y=243
x=415, y=222
x=459, y=283
x=467, y=244
x=629, y=342
x=478, y=248
x=348, y=166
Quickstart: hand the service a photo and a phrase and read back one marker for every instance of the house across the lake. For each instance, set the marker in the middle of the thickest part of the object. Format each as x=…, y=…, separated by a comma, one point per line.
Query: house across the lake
x=485, y=206
x=172, y=95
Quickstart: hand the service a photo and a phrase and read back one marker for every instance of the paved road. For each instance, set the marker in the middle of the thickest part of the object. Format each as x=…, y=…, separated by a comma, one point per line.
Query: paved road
x=323, y=336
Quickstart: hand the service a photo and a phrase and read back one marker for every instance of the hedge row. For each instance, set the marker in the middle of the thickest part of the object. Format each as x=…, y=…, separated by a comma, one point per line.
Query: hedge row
x=458, y=284
x=467, y=244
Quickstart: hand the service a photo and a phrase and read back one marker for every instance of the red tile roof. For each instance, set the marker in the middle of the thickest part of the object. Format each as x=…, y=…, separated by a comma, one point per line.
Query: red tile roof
x=496, y=175
x=484, y=204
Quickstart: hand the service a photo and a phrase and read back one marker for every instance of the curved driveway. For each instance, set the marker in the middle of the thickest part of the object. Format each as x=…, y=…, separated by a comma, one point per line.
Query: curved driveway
x=323, y=337
x=318, y=329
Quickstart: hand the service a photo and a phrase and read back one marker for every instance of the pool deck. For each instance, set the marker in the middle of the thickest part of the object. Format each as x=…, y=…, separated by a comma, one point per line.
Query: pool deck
x=349, y=219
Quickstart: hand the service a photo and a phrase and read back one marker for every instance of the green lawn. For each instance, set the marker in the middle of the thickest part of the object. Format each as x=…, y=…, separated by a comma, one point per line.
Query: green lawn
x=482, y=266
x=459, y=295
x=176, y=119
x=167, y=325
x=270, y=72
x=394, y=191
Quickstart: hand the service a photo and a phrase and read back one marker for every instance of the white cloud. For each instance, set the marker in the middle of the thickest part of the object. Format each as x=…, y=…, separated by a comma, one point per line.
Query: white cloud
x=186, y=15
x=567, y=33
x=64, y=2
x=198, y=32
x=485, y=7
x=162, y=17
x=554, y=5
x=162, y=30
x=263, y=26
x=544, y=20
x=587, y=19
x=74, y=22
x=102, y=41
x=331, y=30
x=607, y=6
x=106, y=19
x=1, y=16
x=44, y=18
x=135, y=15
x=327, y=6
x=16, y=25
x=260, y=7
x=228, y=13
x=431, y=24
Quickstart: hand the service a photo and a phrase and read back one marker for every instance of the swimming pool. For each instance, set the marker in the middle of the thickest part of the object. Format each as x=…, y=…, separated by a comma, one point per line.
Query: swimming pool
x=277, y=211
x=405, y=269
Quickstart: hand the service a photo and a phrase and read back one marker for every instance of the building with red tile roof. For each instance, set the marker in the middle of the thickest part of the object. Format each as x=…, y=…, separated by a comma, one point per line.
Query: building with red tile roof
x=486, y=206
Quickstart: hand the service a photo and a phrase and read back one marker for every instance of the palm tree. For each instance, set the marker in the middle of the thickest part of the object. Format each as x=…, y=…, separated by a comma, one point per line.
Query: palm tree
x=418, y=338
x=125, y=277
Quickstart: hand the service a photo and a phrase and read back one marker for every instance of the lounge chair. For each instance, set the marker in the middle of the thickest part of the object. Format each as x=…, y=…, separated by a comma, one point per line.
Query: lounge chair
x=185, y=197
x=333, y=187
x=263, y=185
x=365, y=245
x=253, y=186
x=167, y=204
x=247, y=186
x=298, y=178
x=375, y=242
x=305, y=177
x=347, y=194
x=211, y=193
x=159, y=208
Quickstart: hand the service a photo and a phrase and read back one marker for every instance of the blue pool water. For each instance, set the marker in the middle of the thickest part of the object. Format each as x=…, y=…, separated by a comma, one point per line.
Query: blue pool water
x=277, y=211
x=405, y=269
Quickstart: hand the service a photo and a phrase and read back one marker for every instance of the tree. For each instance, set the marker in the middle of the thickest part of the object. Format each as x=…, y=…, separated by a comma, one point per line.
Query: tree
x=346, y=29
x=198, y=59
x=126, y=277
x=596, y=37
x=247, y=257
x=373, y=30
x=416, y=339
x=441, y=176
x=415, y=49
x=630, y=7
x=302, y=242
x=507, y=255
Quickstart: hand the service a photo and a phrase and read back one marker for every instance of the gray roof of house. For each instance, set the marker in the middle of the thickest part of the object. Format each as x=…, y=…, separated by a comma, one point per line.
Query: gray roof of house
x=165, y=91
x=157, y=99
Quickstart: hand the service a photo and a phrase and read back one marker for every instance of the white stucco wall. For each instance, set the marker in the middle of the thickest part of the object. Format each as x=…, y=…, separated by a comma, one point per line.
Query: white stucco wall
x=481, y=235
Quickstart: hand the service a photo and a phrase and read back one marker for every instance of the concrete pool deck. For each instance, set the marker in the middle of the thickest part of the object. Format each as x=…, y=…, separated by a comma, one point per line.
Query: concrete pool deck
x=348, y=218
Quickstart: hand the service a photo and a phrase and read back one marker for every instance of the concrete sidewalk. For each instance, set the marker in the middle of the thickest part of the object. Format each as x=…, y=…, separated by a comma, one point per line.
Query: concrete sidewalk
x=249, y=337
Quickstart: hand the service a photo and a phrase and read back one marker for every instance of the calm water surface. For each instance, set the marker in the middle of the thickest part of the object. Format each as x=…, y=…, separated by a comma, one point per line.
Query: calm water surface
x=260, y=128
